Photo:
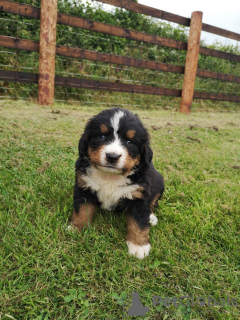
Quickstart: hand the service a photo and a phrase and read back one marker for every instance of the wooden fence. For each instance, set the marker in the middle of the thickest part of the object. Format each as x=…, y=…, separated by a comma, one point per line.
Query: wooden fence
x=47, y=49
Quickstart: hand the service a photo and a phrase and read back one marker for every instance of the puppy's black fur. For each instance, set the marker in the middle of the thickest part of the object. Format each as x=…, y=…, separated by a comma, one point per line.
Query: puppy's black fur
x=115, y=171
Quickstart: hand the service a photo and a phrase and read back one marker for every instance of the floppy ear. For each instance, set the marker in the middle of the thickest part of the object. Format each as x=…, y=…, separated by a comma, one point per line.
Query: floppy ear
x=82, y=146
x=147, y=155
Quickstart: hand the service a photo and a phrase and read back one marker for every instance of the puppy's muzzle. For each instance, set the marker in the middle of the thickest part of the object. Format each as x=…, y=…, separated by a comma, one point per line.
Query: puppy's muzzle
x=112, y=158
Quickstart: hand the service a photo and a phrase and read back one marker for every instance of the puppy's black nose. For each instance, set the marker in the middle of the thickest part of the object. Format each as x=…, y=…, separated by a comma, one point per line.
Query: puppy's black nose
x=112, y=157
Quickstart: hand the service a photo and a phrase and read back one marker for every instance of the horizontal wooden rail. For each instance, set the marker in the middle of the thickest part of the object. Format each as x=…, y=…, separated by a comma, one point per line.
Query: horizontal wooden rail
x=25, y=77
x=16, y=76
x=17, y=43
x=19, y=8
x=150, y=11
x=219, y=54
x=119, y=60
x=119, y=31
x=217, y=76
x=29, y=45
x=115, y=86
x=220, y=32
x=33, y=12
x=156, y=13
x=78, y=22
x=215, y=96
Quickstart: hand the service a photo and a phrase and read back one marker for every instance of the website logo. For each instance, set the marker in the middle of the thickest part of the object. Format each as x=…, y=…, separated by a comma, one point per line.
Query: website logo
x=137, y=308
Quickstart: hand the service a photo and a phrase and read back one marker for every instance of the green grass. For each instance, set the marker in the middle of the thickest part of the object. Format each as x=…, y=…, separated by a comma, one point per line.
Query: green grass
x=49, y=273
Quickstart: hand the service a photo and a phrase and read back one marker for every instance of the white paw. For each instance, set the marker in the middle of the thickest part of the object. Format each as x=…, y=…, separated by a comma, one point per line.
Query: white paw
x=70, y=228
x=139, y=251
x=153, y=219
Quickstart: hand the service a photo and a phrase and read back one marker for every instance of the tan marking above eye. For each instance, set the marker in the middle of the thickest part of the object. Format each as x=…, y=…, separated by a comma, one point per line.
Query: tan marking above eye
x=104, y=128
x=130, y=134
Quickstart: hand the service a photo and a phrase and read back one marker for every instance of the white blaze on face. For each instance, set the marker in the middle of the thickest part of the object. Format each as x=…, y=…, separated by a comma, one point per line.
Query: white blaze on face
x=115, y=146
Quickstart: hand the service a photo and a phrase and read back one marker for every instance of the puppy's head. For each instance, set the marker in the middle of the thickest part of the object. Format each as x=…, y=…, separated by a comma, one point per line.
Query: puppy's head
x=116, y=141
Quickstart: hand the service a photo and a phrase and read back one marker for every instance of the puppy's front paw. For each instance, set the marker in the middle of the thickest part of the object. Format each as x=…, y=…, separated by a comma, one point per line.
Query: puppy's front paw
x=153, y=219
x=139, y=251
x=70, y=228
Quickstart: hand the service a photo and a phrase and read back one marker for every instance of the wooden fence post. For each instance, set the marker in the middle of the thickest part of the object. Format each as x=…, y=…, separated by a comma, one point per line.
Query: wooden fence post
x=47, y=51
x=191, y=62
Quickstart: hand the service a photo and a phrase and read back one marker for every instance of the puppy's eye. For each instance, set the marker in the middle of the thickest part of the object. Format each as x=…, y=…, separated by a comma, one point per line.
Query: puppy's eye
x=101, y=137
x=129, y=142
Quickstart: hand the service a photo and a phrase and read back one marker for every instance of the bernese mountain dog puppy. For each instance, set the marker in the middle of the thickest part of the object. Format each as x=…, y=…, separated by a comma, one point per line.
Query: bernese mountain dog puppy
x=114, y=171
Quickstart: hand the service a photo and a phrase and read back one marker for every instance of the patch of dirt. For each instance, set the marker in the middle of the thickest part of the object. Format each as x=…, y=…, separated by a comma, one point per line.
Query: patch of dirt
x=44, y=167
x=214, y=128
x=155, y=128
x=236, y=167
x=194, y=139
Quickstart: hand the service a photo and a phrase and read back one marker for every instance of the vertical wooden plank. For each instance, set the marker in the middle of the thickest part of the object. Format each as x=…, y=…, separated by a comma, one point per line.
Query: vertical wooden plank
x=47, y=51
x=191, y=62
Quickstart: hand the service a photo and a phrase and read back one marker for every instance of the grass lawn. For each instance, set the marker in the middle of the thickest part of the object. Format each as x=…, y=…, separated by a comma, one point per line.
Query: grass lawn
x=48, y=272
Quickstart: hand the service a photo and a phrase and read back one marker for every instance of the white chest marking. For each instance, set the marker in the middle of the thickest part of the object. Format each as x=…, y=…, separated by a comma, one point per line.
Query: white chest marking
x=110, y=188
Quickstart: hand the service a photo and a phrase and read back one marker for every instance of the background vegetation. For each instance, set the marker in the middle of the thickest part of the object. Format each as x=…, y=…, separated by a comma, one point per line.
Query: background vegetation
x=22, y=27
